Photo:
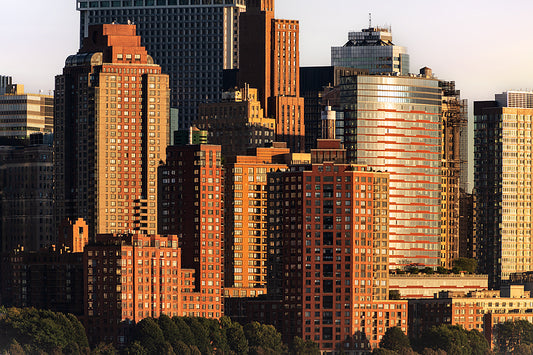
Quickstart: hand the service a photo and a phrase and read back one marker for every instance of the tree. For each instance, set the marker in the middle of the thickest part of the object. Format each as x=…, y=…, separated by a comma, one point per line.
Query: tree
x=453, y=339
x=394, y=339
x=104, y=349
x=41, y=331
x=264, y=339
x=201, y=335
x=465, y=264
x=182, y=348
x=236, y=339
x=304, y=347
x=150, y=336
x=170, y=330
x=184, y=331
x=509, y=335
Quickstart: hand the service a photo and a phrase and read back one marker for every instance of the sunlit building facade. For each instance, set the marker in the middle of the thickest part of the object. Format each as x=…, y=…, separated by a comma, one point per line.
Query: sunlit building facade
x=502, y=176
x=393, y=124
x=192, y=40
x=110, y=132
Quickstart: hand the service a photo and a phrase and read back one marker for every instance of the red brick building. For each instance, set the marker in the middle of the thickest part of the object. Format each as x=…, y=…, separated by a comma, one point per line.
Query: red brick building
x=270, y=62
x=128, y=278
x=329, y=236
x=191, y=195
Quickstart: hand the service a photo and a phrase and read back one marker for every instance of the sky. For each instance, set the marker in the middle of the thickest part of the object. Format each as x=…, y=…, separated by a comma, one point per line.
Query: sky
x=485, y=46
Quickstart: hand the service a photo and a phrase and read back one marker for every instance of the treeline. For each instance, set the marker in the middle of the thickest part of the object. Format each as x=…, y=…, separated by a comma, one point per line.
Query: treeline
x=441, y=340
x=40, y=332
x=32, y=331
x=195, y=336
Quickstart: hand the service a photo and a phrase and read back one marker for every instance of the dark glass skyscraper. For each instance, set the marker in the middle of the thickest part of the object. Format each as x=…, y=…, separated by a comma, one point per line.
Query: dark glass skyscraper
x=192, y=40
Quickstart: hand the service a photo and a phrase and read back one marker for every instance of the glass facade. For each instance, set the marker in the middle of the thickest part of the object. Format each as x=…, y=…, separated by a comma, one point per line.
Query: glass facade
x=372, y=49
x=393, y=124
x=503, y=211
x=192, y=40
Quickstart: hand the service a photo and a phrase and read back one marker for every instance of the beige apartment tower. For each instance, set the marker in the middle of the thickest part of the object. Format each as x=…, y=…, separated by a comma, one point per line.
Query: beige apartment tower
x=111, y=132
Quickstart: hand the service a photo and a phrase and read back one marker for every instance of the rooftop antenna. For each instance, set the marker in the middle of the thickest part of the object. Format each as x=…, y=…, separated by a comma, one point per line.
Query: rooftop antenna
x=369, y=20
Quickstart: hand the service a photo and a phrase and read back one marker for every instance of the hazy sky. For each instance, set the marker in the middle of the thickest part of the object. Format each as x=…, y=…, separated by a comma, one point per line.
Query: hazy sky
x=485, y=46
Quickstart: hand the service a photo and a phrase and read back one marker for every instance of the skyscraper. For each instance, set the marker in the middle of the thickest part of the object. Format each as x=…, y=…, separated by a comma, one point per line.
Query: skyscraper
x=393, y=124
x=454, y=127
x=192, y=40
x=270, y=62
x=111, y=131
x=329, y=228
x=192, y=207
x=502, y=177
x=372, y=49
x=26, y=197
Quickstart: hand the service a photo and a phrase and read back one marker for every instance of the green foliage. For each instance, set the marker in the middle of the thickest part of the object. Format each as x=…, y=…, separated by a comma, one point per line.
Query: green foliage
x=303, y=347
x=148, y=333
x=454, y=340
x=41, y=331
x=465, y=264
x=104, y=349
x=264, y=339
x=394, y=339
x=236, y=339
x=510, y=335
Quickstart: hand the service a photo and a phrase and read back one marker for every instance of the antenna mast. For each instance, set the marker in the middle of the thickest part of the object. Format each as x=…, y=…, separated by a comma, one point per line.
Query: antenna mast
x=369, y=20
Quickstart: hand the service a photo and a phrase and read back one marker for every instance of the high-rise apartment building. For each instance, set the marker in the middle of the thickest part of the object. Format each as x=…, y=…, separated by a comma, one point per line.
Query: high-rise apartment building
x=191, y=197
x=128, y=278
x=110, y=132
x=394, y=124
x=237, y=123
x=372, y=49
x=22, y=114
x=454, y=126
x=26, y=197
x=329, y=229
x=192, y=40
x=270, y=62
x=502, y=193
x=246, y=219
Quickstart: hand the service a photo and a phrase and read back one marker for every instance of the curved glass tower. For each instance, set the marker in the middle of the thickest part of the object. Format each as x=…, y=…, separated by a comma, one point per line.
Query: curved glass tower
x=393, y=124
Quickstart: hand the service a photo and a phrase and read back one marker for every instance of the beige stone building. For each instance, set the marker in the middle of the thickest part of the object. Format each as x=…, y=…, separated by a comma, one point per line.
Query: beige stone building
x=111, y=132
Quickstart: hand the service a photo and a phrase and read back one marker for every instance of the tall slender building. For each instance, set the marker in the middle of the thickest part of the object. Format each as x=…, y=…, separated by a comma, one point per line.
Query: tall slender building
x=329, y=237
x=192, y=208
x=192, y=40
x=111, y=132
x=393, y=124
x=270, y=62
x=502, y=179
x=454, y=124
x=372, y=49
